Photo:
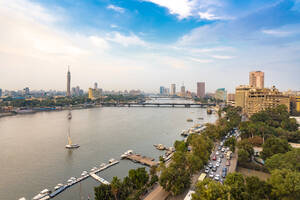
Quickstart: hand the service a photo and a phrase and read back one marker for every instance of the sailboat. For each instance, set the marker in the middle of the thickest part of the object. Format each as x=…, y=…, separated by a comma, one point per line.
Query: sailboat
x=70, y=145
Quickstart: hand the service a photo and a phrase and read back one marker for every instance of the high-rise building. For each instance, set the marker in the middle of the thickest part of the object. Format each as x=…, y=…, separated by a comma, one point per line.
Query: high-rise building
x=182, y=91
x=257, y=79
x=295, y=104
x=221, y=94
x=253, y=100
x=173, y=89
x=69, y=83
x=95, y=85
x=161, y=90
x=26, y=91
x=0, y=92
x=94, y=93
x=201, y=89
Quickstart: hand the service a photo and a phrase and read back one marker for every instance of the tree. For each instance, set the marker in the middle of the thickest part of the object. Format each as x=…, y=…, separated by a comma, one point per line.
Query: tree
x=285, y=184
x=289, y=160
x=257, y=189
x=210, y=190
x=235, y=181
x=116, y=187
x=244, y=157
x=231, y=142
x=138, y=177
x=273, y=146
x=103, y=192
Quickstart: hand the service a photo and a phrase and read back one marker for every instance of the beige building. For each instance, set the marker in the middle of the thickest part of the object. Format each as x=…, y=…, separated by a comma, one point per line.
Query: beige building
x=257, y=79
x=253, y=100
x=295, y=104
x=94, y=93
x=173, y=89
x=231, y=99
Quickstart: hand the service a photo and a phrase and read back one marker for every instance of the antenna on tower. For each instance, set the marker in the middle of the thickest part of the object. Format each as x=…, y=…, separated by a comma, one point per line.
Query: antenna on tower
x=68, y=68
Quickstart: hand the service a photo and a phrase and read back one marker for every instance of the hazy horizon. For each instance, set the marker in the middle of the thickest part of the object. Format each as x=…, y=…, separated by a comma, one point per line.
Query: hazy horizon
x=144, y=44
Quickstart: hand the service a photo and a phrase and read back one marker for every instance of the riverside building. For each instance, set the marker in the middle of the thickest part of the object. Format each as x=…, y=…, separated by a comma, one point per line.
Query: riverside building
x=253, y=100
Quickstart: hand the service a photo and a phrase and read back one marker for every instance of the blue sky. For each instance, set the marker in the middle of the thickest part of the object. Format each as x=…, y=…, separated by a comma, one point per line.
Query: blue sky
x=142, y=44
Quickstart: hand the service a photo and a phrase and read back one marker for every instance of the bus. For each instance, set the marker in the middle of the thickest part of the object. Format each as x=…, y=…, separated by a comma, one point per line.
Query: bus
x=202, y=177
x=228, y=155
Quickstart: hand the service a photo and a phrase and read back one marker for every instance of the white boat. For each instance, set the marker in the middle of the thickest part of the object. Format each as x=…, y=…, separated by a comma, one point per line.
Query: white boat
x=111, y=160
x=22, y=198
x=93, y=169
x=58, y=186
x=70, y=145
x=102, y=165
x=84, y=173
x=42, y=194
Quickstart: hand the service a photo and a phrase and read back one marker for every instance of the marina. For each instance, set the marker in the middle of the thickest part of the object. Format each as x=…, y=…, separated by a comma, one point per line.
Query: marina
x=137, y=158
x=47, y=194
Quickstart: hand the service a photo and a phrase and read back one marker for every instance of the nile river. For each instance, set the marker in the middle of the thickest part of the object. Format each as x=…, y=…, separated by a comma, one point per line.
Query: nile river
x=33, y=154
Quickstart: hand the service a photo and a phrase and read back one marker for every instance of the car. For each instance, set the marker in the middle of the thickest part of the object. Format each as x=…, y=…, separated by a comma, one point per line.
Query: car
x=214, y=168
x=224, y=169
x=210, y=165
x=228, y=163
x=211, y=175
x=222, y=156
x=221, y=180
x=227, y=148
x=219, y=148
x=221, y=143
x=223, y=149
x=207, y=170
x=217, y=177
x=217, y=164
x=214, y=158
x=217, y=153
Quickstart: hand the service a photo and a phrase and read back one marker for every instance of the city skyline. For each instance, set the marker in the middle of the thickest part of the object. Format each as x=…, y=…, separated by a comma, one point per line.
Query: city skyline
x=145, y=44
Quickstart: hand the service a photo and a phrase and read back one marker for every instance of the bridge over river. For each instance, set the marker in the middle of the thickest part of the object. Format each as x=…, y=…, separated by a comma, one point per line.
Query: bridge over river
x=185, y=105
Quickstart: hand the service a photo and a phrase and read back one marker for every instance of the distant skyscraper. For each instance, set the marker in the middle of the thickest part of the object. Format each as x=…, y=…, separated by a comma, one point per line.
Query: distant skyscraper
x=26, y=91
x=95, y=85
x=182, y=90
x=201, y=89
x=69, y=83
x=257, y=79
x=0, y=92
x=161, y=90
x=173, y=89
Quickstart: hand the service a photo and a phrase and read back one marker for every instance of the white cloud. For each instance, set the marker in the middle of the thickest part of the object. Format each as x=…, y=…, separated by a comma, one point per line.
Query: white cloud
x=207, y=16
x=99, y=42
x=200, y=60
x=222, y=57
x=125, y=40
x=116, y=8
x=277, y=33
x=186, y=8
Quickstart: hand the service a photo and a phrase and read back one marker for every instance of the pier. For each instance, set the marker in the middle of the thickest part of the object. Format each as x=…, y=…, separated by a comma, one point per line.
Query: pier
x=98, y=178
x=141, y=159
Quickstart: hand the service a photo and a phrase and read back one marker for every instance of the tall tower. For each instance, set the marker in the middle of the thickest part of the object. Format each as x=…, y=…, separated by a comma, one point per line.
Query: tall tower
x=69, y=83
x=257, y=79
x=201, y=89
x=173, y=89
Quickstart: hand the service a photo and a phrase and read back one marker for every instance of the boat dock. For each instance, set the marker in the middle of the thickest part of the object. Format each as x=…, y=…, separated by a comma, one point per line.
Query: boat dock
x=83, y=177
x=98, y=178
x=141, y=159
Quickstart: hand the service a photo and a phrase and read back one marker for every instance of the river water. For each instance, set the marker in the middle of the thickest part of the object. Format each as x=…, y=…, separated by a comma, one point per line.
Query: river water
x=33, y=154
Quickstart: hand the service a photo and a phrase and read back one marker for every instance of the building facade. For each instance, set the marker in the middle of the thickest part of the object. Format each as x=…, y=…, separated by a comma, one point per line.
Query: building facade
x=94, y=93
x=253, y=100
x=201, y=89
x=173, y=89
x=257, y=79
x=69, y=83
x=221, y=94
x=295, y=104
x=182, y=91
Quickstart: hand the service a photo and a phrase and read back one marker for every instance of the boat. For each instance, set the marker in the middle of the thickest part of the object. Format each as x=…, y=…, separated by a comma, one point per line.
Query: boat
x=70, y=145
x=58, y=186
x=111, y=160
x=93, y=169
x=189, y=120
x=102, y=165
x=42, y=194
x=159, y=146
x=84, y=173
x=200, y=118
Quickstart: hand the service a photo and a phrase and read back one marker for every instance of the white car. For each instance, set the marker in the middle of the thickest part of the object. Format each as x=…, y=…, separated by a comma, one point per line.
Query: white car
x=211, y=175
x=217, y=153
x=217, y=177
x=217, y=164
